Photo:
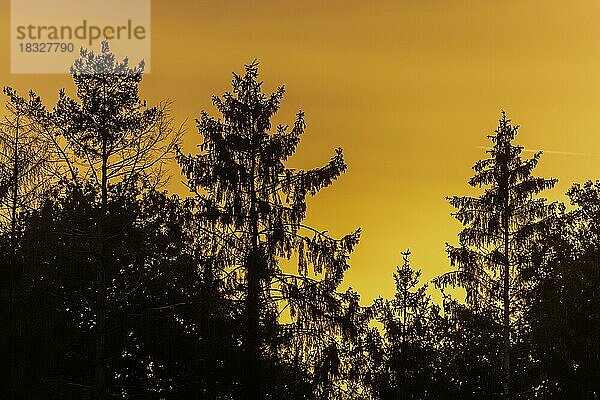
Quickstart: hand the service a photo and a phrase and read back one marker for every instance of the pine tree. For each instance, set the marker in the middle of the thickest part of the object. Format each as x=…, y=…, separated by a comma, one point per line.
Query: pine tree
x=254, y=207
x=114, y=138
x=499, y=228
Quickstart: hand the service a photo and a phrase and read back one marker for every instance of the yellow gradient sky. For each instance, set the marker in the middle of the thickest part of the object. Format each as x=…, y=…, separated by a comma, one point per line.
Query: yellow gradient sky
x=409, y=89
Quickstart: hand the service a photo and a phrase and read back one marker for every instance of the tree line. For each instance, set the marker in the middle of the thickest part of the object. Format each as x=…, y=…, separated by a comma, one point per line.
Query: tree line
x=111, y=287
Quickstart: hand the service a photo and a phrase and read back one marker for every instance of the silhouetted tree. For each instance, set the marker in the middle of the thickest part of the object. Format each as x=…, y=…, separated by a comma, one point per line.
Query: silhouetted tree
x=406, y=358
x=23, y=177
x=110, y=139
x=470, y=350
x=496, y=242
x=563, y=304
x=253, y=207
x=145, y=235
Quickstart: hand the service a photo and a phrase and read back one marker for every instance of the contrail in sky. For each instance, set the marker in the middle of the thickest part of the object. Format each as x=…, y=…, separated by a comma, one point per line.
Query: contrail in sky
x=562, y=153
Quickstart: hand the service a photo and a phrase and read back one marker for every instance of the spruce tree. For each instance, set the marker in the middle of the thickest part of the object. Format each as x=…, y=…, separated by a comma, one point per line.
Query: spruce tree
x=500, y=226
x=254, y=207
x=405, y=355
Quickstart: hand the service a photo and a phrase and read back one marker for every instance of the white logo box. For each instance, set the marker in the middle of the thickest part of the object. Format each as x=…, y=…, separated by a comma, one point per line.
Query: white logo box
x=46, y=35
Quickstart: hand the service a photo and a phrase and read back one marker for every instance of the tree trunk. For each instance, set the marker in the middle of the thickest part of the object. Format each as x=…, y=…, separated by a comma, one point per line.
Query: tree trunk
x=253, y=364
x=100, y=366
x=253, y=357
x=506, y=279
x=506, y=322
x=207, y=308
x=14, y=273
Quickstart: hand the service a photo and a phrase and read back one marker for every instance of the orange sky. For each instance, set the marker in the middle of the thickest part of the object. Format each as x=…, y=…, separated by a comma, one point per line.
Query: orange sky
x=409, y=89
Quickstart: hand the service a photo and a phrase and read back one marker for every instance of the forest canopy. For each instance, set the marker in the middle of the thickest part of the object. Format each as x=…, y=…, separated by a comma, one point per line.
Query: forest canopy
x=111, y=287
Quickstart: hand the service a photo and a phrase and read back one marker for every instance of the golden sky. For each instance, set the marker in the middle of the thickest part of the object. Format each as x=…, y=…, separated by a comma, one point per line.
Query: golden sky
x=409, y=89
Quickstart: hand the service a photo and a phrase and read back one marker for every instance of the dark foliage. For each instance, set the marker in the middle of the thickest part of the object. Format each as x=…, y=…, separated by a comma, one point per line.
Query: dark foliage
x=112, y=288
x=494, y=258
x=563, y=313
x=250, y=208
